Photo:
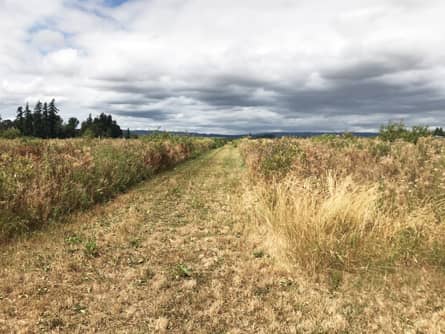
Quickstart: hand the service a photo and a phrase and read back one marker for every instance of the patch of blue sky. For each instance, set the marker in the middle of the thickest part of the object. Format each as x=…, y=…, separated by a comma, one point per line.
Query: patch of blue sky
x=47, y=25
x=115, y=3
x=37, y=26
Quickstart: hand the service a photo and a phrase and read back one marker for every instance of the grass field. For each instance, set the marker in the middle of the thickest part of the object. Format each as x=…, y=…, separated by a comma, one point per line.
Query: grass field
x=348, y=203
x=43, y=180
x=327, y=235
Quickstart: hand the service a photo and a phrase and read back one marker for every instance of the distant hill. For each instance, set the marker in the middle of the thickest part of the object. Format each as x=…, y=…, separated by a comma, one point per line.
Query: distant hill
x=181, y=133
x=255, y=135
x=309, y=134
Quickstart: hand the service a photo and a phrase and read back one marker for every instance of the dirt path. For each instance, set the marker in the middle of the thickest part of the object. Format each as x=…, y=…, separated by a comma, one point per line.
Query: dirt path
x=170, y=256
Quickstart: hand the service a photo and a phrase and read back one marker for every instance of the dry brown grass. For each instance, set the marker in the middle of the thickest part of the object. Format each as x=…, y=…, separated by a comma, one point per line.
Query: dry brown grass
x=43, y=180
x=350, y=204
x=185, y=218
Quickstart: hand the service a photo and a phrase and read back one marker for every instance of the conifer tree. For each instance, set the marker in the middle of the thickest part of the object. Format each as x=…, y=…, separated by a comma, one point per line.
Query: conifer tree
x=45, y=119
x=54, y=120
x=38, y=125
x=439, y=132
x=101, y=126
x=20, y=119
x=28, y=122
x=70, y=127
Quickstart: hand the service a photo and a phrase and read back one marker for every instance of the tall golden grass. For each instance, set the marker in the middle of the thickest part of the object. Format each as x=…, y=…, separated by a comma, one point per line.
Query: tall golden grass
x=41, y=180
x=350, y=204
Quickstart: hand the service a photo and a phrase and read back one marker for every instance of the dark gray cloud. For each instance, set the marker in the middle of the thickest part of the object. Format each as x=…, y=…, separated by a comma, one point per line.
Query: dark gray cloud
x=356, y=97
x=153, y=115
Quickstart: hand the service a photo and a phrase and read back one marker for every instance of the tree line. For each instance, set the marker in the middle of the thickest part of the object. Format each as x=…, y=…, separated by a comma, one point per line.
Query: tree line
x=44, y=121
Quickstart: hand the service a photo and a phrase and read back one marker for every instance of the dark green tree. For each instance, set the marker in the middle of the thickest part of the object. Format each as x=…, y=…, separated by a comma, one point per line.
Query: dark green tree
x=70, y=129
x=101, y=126
x=439, y=132
x=20, y=119
x=45, y=122
x=45, y=118
x=38, y=124
x=54, y=120
x=28, y=122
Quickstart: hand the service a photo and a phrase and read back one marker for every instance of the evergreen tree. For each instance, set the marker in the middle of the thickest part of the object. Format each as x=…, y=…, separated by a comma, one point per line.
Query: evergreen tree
x=44, y=122
x=87, y=125
x=101, y=126
x=54, y=120
x=45, y=119
x=70, y=128
x=439, y=132
x=19, y=120
x=38, y=124
x=28, y=122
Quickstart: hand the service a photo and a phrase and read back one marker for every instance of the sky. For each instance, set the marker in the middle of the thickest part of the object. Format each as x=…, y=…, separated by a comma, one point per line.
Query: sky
x=228, y=66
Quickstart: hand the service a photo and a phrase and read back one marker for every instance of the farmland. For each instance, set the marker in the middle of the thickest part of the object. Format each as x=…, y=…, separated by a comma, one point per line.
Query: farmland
x=321, y=235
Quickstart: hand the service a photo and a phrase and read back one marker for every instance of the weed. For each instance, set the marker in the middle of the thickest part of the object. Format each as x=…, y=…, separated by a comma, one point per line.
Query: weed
x=78, y=308
x=135, y=243
x=73, y=240
x=258, y=254
x=335, y=279
x=91, y=249
x=181, y=270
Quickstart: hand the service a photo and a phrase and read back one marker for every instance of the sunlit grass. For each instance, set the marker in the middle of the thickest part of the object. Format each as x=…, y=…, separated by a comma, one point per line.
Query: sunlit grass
x=348, y=203
x=41, y=180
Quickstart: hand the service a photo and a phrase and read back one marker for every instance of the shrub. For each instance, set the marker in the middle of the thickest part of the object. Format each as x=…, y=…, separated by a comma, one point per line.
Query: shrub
x=11, y=133
x=394, y=131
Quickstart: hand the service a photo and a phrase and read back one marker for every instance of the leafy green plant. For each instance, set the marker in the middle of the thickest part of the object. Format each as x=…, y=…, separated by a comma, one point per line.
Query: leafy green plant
x=73, y=240
x=183, y=271
x=91, y=249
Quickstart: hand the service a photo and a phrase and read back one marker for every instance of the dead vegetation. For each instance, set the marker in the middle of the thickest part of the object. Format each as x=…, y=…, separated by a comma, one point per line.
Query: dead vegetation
x=350, y=204
x=43, y=180
x=174, y=256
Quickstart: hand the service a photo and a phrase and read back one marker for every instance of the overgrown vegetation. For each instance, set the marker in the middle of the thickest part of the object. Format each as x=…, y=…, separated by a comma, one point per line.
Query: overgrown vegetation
x=399, y=131
x=41, y=180
x=345, y=203
x=393, y=131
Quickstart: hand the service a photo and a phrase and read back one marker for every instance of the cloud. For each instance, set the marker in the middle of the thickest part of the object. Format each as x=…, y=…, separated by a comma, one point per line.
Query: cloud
x=228, y=66
x=46, y=40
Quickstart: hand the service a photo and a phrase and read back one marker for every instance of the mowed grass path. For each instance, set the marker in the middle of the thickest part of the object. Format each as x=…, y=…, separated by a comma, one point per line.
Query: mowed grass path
x=172, y=256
